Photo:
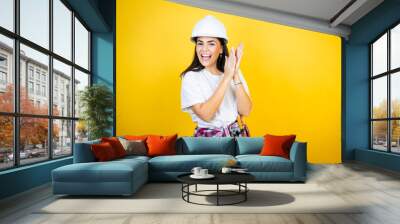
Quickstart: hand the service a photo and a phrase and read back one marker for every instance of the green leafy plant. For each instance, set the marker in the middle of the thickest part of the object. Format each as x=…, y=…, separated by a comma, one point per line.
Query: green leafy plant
x=96, y=102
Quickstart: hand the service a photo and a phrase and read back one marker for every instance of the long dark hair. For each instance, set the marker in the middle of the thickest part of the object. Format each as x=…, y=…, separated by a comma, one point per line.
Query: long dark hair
x=197, y=66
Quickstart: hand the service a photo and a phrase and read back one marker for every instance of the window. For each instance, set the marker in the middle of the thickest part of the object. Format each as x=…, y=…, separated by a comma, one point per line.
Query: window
x=3, y=72
x=34, y=21
x=62, y=137
x=30, y=87
x=6, y=142
x=3, y=78
x=38, y=89
x=6, y=74
x=62, y=29
x=30, y=72
x=44, y=91
x=395, y=47
x=62, y=74
x=55, y=102
x=385, y=91
x=81, y=45
x=81, y=81
x=45, y=131
x=37, y=75
x=33, y=148
x=7, y=14
x=3, y=61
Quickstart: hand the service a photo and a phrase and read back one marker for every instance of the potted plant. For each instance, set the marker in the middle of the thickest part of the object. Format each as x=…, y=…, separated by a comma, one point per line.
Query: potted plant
x=96, y=102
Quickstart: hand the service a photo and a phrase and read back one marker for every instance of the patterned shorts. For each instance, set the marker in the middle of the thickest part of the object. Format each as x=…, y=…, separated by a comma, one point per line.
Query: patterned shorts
x=232, y=130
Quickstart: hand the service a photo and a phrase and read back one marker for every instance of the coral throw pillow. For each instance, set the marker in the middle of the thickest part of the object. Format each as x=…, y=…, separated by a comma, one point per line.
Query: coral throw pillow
x=161, y=145
x=116, y=145
x=103, y=152
x=277, y=145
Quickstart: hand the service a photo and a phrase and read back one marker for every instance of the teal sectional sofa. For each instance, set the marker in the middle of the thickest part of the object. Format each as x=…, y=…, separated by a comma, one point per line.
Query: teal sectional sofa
x=125, y=176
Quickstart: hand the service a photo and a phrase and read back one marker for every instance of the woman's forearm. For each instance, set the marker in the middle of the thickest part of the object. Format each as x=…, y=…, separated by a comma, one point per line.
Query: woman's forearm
x=243, y=100
x=206, y=111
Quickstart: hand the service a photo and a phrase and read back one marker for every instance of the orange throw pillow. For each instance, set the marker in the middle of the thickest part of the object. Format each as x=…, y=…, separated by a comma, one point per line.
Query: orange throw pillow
x=116, y=145
x=161, y=145
x=277, y=145
x=103, y=152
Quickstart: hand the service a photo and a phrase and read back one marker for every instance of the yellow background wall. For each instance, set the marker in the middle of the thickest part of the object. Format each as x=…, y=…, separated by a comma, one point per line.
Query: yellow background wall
x=294, y=75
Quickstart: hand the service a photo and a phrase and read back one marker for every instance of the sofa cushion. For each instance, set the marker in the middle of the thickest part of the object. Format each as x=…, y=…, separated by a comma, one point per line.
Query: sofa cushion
x=112, y=171
x=132, y=158
x=83, y=152
x=246, y=145
x=257, y=163
x=185, y=163
x=206, y=145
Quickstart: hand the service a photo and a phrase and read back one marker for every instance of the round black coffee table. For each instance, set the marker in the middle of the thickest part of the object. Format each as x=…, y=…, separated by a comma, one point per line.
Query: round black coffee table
x=238, y=179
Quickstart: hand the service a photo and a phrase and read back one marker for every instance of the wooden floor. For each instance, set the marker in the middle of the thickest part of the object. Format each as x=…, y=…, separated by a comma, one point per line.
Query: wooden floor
x=378, y=189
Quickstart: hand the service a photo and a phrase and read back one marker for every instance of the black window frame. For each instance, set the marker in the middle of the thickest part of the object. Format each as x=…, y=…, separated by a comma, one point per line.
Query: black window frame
x=16, y=115
x=388, y=74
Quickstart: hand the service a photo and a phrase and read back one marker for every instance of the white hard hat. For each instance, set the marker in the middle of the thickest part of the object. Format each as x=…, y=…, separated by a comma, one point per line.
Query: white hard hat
x=209, y=26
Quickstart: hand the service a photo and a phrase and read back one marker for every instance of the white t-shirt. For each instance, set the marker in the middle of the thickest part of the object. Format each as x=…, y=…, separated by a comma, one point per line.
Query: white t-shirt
x=198, y=87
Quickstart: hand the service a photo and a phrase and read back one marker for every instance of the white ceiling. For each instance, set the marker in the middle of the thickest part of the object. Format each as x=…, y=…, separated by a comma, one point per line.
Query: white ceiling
x=320, y=9
x=325, y=16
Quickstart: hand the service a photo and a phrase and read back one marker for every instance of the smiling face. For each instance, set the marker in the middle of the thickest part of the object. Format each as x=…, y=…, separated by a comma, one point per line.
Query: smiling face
x=208, y=50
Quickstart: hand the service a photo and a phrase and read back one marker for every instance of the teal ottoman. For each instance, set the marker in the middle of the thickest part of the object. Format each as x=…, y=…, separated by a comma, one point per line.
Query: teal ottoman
x=118, y=177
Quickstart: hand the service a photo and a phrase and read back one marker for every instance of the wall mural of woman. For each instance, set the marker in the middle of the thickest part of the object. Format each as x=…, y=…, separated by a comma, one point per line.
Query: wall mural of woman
x=214, y=91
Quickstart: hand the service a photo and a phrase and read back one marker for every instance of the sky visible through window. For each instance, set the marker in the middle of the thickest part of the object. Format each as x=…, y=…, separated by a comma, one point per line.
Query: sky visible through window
x=35, y=27
x=6, y=14
x=6, y=40
x=62, y=31
x=395, y=47
x=380, y=65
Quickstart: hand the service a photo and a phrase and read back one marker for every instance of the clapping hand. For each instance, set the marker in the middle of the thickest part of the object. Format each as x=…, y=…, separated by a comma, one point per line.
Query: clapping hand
x=230, y=64
x=239, y=54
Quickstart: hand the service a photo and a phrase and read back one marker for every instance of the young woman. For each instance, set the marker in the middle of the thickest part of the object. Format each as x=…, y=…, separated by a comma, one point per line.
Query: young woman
x=214, y=91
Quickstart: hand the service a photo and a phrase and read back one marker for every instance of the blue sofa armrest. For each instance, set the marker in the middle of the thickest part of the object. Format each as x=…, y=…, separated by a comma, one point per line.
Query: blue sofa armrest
x=298, y=155
x=83, y=152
